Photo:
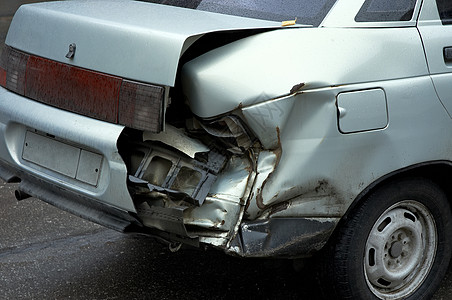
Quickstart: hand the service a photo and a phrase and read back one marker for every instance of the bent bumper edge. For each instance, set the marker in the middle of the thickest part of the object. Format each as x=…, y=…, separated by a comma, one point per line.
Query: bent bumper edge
x=283, y=237
x=66, y=200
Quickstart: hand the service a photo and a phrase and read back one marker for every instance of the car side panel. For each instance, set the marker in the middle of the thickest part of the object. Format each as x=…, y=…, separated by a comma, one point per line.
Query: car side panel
x=321, y=171
x=270, y=65
x=437, y=39
x=286, y=85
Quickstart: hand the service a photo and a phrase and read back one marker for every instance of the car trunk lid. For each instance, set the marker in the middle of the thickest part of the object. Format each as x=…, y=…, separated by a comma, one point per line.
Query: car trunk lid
x=129, y=39
x=113, y=61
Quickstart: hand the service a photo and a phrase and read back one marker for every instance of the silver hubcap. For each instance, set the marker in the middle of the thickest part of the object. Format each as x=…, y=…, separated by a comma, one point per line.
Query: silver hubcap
x=400, y=250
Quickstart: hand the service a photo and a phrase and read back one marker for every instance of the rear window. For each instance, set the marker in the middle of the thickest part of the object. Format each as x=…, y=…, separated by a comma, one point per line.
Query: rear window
x=305, y=11
x=445, y=11
x=386, y=11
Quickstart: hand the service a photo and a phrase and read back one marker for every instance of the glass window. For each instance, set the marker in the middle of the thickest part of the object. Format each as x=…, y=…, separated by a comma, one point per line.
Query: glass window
x=445, y=11
x=305, y=11
x=386, y=11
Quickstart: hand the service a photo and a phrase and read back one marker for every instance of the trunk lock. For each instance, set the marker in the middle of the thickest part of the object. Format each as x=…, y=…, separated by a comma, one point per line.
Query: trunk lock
x=71, y=52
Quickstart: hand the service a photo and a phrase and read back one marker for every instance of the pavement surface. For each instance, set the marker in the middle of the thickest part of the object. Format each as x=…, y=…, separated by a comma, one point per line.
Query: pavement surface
x=8, y=7
x=48, y=254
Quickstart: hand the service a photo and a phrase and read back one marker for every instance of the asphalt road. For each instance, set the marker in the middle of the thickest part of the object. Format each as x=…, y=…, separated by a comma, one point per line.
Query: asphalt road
x=48, y=254
x=8, y=7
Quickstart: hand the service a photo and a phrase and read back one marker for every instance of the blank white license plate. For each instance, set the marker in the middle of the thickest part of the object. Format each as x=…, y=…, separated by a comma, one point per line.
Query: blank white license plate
x=62, y=158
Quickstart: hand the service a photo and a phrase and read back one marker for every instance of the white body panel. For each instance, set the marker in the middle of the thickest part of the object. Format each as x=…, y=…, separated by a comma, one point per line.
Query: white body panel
x=99, y=137
x=268, y=65
x=319, y=116
x=139, y=41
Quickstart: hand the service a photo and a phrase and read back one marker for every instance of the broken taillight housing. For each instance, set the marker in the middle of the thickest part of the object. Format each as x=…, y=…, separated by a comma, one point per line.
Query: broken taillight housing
x=94, y=94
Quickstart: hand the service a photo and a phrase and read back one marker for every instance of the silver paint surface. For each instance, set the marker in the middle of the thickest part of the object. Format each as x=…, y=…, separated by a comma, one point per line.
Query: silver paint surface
x=333, y=109
x=131, y=39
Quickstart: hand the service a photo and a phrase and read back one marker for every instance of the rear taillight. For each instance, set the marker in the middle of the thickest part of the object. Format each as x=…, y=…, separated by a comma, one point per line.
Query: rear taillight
x=141, y=106
x=101, y=96
x=3, y=59
x=74, y=89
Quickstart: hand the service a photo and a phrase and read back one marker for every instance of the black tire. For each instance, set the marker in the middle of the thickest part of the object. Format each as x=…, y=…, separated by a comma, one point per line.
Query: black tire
x=394, y=245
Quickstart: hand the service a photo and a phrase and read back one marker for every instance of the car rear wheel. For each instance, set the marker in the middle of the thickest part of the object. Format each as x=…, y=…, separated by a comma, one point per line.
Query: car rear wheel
x=394, y=245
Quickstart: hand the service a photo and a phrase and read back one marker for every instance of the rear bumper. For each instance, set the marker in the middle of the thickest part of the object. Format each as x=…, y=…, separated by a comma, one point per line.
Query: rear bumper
x=81, y=206
x=283, y=237
x=82, y=136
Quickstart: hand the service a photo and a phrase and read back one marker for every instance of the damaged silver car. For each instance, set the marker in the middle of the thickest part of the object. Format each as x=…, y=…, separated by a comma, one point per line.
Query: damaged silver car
x=261, y=128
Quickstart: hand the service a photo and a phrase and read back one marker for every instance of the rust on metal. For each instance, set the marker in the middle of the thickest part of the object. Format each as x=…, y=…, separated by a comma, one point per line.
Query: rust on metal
x=297, y=88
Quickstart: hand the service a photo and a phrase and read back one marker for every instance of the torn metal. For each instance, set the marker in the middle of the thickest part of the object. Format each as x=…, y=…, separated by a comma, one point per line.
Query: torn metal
x=230, y=127
x=282, y=237
x=183, y=177
x=166, y=184
x=181, y=186
x=177, y=139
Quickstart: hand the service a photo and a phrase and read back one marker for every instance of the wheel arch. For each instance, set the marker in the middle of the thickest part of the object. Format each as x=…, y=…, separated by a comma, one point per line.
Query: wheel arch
x=335, y=257
x=435, y=171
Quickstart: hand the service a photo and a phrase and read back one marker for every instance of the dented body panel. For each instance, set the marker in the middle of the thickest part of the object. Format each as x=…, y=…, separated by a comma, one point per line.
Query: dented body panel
x=267, y=66
x=281, y=237
x=341, y=166
x=269, y=134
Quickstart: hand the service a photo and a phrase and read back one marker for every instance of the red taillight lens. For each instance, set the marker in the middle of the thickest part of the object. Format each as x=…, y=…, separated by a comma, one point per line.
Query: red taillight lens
x=2, y=77
x=3, y=58
x=74, y=89
x=101, y=96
